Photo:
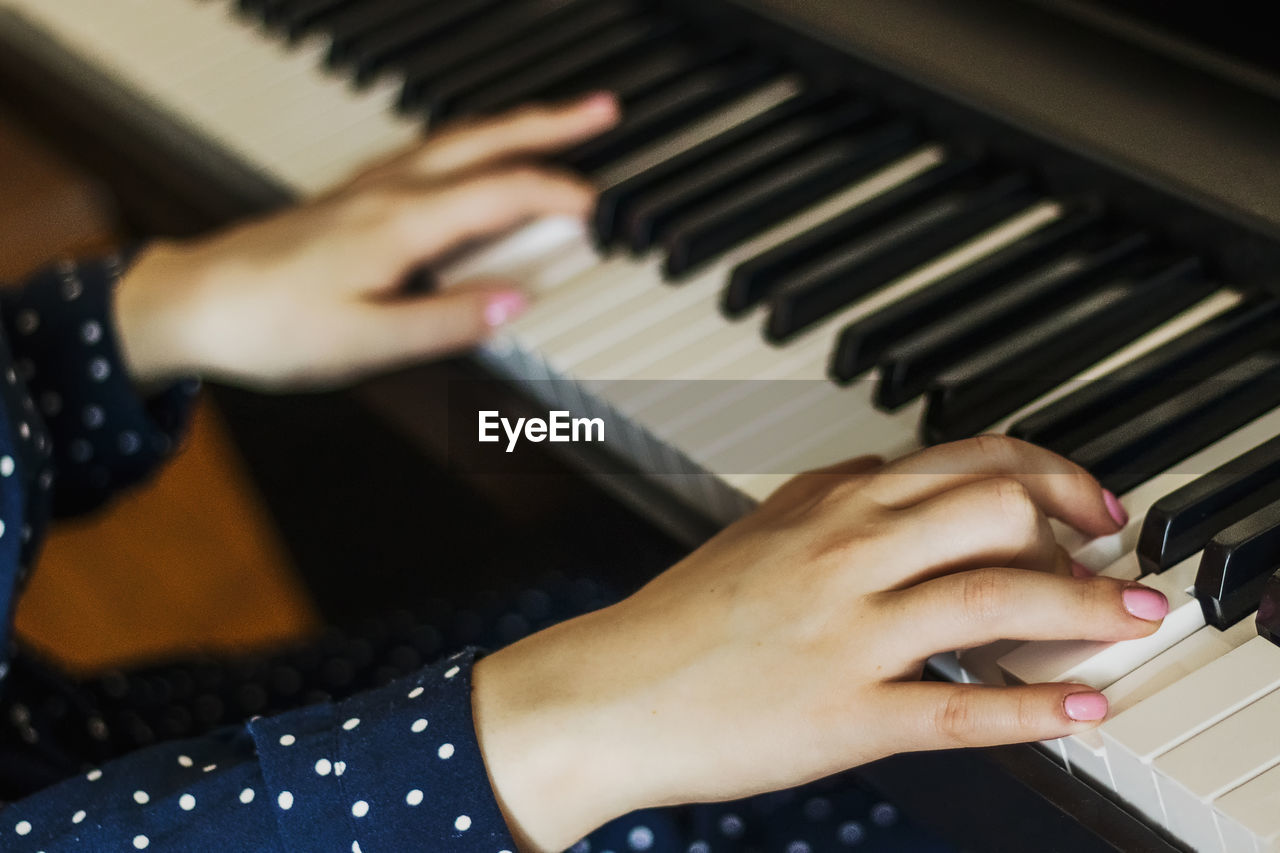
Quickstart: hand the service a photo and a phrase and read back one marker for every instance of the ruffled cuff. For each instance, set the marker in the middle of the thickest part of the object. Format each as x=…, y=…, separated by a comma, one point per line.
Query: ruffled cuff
x=105, y=435
x=398, y=768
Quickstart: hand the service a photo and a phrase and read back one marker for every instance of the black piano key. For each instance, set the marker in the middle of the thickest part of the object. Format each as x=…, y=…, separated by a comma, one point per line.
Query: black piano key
x=667, y=110
x=646, y=73
x=648, y=218
x=351, y=24
x=1236, y=566
x=574, y=69
x=1187, y=422
x=301, y=17
x=862, y=343
x=402, y=34
x=1268, y=621
x=614, y=200
x=570, y=33
x=891, y=251
x=1095, y=407
x=1036, y=359
x=633, y=78
x=495, y=33
x=772, y=197
x=256, y=8
x=754, y=280
x=909, y=365
x=1181, y=522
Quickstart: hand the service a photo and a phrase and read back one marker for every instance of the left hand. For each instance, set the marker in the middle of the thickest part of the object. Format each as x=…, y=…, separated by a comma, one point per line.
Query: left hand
x=308, y=297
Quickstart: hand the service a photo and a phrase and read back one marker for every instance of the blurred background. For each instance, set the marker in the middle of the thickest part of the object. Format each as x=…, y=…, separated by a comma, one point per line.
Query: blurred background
x=192, y=561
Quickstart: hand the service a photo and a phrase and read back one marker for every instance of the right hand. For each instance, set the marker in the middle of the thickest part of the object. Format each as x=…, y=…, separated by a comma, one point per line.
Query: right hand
x=790, y=646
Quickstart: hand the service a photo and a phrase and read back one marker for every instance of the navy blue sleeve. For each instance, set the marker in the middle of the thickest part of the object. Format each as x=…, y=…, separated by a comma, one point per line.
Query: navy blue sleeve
x=106, y=436
x=393, y=769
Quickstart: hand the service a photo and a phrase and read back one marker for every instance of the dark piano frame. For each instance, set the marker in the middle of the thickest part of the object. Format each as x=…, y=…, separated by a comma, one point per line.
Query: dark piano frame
x=170, y=181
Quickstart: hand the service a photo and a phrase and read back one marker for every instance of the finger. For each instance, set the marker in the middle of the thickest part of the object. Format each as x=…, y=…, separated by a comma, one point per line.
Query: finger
x=393, y=333
x=926, y=715
x=807, y=484
x=425, y=223
x=527, y=131
x=992, y=522
x=1062, y=489
x=968, y=609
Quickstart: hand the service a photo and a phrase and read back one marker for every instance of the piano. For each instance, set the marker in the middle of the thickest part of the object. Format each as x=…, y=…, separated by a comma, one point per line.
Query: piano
x=829, y=228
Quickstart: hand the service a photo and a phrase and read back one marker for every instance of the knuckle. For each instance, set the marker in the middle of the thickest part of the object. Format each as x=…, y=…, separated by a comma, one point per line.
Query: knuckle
x=998, y=449
x=838, y=491
x=1015, y=504
x=954, y=718
x=984, y=595
x=527, y=176
x=380, y=210
x=1028, y=713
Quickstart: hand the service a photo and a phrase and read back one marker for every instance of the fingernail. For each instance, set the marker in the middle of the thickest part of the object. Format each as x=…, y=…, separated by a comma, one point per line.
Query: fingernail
x=1080, y=570
x=604, y=102
x=504, y=307
x=1145, y=603
x=1085, y=707
x=1118, y=513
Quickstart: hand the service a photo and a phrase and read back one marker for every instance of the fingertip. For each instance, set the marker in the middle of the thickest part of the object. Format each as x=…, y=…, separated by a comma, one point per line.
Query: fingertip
x=1080, y=570
x=1145, y=603
x=601, y=104
x=504, y=306
x=1085, y=706
x=1115, y=509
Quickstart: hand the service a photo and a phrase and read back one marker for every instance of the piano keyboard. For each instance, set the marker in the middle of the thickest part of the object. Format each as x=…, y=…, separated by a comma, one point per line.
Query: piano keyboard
x=758, y=229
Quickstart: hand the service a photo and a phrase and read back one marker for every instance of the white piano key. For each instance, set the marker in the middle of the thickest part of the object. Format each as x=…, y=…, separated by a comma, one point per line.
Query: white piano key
x=1248, y=818
x=1138, y=736
x=742, y=109
x=1086, y=753
x=509, y=254
x=584, y=299
x=1224, y=756
x=286, y=97
x=642, y=312
x=1100, y=664
x=983, y=663
x=823, y=443
x=683, y=421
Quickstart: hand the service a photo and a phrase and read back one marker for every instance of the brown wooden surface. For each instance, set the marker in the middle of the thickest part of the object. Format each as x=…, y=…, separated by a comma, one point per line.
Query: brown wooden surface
x=191, y=561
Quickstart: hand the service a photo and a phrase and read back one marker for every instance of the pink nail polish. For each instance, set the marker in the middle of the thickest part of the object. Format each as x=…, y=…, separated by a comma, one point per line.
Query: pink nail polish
x=504, y=307
x=1085, y=707
x=1118, y=513
x=1145, y=603
x=601, y=102
x=1080, y=570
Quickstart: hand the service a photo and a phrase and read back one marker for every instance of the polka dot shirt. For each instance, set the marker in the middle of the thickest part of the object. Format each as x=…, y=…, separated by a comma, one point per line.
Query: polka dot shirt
x=390, y=770
x=394, y=769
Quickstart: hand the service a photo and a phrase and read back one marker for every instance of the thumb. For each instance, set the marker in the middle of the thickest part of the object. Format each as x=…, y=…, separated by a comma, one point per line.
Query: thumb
x=442, y=323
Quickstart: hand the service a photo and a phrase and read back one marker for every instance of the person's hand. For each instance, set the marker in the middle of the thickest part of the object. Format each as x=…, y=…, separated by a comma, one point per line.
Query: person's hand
x=309, y=296
x=789, y=647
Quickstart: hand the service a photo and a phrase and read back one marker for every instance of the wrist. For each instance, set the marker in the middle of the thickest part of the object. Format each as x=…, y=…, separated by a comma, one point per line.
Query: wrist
x=552, y=717
x=152, y=314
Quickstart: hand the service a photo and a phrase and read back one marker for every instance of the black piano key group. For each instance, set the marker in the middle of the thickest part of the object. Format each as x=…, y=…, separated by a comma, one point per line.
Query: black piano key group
x=973, y=347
